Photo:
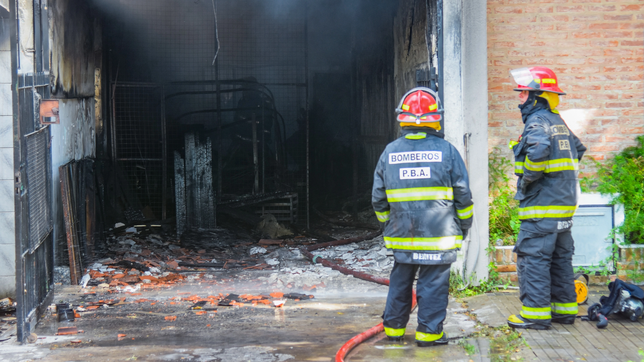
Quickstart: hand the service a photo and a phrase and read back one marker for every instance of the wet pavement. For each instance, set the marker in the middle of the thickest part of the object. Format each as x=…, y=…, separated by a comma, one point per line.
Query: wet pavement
x=192, y=315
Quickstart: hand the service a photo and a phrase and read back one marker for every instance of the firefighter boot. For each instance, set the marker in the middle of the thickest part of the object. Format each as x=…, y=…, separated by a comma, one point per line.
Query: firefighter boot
x=563, y=319
x=425, y=339
x=516, y=321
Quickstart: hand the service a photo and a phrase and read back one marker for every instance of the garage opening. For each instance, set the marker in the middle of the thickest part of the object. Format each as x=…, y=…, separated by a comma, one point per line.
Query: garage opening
x=219, y=107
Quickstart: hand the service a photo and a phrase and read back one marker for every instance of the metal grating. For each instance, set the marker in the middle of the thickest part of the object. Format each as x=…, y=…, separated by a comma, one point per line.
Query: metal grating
x=38, y=167
x=256, y=38
x=138, y=143
x=268, y=42
x=138, y=122
x=34, y=224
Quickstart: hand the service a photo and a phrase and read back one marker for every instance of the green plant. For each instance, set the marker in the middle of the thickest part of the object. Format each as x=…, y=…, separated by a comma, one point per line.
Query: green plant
x=634, y=275
x=641, y=353
x=503, y=208
x=588, y=182
x=623, y=177
x=505, y=343
x=460, y=288
x=604, y=267
x=467, y=346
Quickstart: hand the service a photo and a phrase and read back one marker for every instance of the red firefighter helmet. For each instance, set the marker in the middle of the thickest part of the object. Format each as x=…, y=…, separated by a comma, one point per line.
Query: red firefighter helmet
x=536, y=79
x=419, y=105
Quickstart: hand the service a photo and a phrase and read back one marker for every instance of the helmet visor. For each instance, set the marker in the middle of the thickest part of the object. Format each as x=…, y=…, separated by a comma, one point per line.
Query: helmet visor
x=522, y=76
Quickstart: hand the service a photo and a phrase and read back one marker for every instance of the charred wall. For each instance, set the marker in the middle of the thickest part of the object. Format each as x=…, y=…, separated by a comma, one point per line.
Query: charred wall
x=410, y=44
x=76, y=48
x=76, y=56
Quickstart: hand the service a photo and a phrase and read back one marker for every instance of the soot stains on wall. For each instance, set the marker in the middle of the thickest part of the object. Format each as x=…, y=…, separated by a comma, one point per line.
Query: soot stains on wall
x=76, y=44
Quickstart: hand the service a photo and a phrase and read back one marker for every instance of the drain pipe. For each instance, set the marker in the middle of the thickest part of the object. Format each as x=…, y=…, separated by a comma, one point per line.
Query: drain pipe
x=356, y=340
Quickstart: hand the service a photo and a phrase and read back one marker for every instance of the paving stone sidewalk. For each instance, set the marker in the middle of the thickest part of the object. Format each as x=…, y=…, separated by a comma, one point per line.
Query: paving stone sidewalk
x=582, y=341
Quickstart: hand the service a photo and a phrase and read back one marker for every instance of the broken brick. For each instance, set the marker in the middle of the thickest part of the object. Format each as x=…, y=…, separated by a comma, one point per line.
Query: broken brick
x=62, y=331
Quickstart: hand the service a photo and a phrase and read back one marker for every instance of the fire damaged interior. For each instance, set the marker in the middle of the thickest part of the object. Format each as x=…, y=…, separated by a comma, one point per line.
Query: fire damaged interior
x=179, y=135
x=193, y=115
x=215, y=108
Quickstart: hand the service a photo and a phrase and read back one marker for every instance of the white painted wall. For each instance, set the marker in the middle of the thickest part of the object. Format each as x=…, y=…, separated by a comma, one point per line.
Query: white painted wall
x=465, y=100
x=72, y=139
x=7, y=215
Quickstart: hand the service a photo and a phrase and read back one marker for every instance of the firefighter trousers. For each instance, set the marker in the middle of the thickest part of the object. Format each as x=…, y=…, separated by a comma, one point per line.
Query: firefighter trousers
x=432, y=290
x=546, y=276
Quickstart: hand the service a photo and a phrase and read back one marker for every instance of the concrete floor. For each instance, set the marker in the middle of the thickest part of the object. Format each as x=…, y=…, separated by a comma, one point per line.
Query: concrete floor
x=135, y=328
x=306, y=330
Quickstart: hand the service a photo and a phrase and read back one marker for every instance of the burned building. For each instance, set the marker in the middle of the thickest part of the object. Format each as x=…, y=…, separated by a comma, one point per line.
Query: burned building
x=177, y=112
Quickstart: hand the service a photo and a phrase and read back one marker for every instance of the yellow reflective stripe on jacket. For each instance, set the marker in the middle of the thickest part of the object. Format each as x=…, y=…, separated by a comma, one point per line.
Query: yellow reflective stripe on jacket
x=466, y=213
x=428, y=337
x=420, y=194
x=535, y=313
x=562, y=164
x=439, y=243
x=394, y=332
x=564, y=308
x=534, y=166
x=538, y=212
x=382, y=216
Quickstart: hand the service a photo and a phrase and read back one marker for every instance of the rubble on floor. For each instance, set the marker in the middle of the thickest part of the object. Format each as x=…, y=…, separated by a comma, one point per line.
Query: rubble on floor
x=147, y=259
x=7, y=319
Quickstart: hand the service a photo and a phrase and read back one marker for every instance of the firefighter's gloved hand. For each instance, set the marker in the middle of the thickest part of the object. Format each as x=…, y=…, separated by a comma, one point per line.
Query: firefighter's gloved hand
x=465, y=232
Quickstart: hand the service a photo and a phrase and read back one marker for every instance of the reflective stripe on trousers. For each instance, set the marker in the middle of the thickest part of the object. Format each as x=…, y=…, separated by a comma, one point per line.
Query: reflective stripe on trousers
x=564, y=308
x=535, y=313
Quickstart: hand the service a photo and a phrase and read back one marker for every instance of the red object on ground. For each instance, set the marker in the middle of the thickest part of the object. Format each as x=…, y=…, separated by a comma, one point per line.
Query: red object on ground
x=62, y=331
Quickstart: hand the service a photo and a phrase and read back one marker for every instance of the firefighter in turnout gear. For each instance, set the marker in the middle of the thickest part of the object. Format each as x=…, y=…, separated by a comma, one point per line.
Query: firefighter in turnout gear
x=421, y=194
x=546, y=162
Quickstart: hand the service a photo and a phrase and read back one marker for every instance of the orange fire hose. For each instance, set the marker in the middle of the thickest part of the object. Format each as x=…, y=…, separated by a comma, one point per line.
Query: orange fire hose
x=356, y=340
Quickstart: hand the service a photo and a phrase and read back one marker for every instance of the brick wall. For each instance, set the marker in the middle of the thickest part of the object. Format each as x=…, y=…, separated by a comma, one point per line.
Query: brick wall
x=596, y=47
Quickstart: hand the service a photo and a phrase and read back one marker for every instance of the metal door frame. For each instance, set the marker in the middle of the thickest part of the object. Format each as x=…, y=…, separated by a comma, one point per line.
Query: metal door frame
x=34, y=257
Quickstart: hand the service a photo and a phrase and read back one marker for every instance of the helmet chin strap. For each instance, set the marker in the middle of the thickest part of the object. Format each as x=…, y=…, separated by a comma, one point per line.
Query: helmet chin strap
x=532, y=96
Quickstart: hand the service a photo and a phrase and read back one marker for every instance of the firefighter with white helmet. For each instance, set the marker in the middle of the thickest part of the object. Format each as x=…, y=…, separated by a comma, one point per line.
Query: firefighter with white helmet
x=421, y=193
x=547, y=155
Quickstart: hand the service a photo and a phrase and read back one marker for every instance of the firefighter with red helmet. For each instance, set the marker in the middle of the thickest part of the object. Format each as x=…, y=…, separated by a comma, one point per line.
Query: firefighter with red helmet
x=546, y=162
x=421, y=194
